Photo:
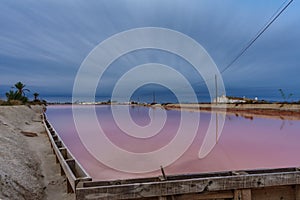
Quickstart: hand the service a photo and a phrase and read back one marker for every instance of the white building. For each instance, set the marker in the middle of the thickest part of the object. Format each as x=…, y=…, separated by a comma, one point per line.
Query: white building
x=224, y=99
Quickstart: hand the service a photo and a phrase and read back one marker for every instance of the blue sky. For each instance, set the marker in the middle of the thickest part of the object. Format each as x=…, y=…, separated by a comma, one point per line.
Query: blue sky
x=43, y=43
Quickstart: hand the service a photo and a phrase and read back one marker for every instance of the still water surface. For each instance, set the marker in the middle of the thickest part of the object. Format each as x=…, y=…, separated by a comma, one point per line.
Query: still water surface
x=245, y=143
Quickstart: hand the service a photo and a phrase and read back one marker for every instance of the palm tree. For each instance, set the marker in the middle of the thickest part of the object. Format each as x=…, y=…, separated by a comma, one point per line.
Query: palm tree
x=284, y=97
x=11, y=95
x=15, y=95
x=21, y=88
x=36, y=96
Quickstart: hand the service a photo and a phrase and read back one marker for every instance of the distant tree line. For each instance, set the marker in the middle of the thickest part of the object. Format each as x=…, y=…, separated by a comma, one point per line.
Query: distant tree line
x=17, y=96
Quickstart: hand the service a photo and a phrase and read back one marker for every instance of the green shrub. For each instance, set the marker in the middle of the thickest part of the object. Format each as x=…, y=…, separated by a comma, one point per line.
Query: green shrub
x=15, y=102
x=15, y=95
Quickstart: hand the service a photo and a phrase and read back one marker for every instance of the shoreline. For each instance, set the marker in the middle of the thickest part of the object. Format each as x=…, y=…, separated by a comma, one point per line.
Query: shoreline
x=273, y=111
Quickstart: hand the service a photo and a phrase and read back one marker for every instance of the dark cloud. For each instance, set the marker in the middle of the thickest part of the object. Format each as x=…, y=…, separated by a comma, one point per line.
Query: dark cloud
x=44, y=42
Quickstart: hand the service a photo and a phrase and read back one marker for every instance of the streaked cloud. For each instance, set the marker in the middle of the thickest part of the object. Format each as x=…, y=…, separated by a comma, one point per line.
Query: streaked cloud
x=44, y=42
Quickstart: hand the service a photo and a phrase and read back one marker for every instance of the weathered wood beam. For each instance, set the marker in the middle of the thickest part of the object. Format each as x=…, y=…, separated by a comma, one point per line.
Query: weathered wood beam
x=277, y=192
x=206, y=196
x=297, y=192
x=169, y=188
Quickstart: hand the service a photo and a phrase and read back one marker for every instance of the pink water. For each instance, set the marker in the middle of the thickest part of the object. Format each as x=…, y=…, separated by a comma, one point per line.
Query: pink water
x=244, y=143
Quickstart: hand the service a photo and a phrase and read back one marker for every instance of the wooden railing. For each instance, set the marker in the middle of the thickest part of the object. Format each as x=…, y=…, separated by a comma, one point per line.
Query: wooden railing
x=266, y=184
x=70, y=167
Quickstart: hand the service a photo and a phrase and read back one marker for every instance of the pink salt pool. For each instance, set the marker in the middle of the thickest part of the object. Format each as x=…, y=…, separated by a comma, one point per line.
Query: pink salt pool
x=244, y=143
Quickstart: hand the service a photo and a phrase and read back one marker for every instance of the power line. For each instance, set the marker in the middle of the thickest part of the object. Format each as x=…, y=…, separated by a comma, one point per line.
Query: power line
x=278, y=12
x=260, y=32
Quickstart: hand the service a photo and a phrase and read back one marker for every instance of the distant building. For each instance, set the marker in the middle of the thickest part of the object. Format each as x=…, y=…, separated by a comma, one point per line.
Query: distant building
x=225, y=99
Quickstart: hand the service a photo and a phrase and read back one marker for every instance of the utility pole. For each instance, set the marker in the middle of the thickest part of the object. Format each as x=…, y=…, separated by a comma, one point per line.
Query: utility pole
x=216, y=84
x=217, y=121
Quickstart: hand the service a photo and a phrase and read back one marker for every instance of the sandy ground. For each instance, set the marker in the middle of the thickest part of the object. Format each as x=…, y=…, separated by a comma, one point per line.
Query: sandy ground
x=27, y=165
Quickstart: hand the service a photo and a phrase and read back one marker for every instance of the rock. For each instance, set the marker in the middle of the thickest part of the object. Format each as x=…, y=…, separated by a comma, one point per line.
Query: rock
x=29, y=134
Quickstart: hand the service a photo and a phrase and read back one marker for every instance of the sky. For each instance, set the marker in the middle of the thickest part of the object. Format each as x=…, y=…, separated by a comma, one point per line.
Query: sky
x=43, y=44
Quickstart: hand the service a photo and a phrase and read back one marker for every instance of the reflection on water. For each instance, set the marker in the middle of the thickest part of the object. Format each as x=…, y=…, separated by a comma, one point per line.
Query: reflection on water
x=245, y=142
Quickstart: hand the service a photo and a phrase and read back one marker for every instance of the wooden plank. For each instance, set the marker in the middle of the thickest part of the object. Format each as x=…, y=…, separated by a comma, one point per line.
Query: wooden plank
x=187, y=176
x=239, y=173
x=206, y=196
x=237, y=195
x=273, y=193
x=120, y=182
x=246, y=194
x=168, y=188
x=275, y=170
x=162, y=198
x=156, y=179
x=297, y=192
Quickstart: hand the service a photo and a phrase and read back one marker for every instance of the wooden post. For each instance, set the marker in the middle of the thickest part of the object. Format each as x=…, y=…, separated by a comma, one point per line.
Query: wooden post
x=69, y=187
x=64, y=153
x=242, y=194
x=237, y=195
x=72, y=163
x=163, y=173
x=56, y=158
x=246, y=194
x=297, y=191
x=62, y=172
x=162, y=198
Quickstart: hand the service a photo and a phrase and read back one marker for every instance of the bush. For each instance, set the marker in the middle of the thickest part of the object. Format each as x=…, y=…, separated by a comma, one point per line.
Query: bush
x=15, y=102
x=15, y=95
